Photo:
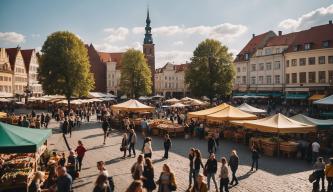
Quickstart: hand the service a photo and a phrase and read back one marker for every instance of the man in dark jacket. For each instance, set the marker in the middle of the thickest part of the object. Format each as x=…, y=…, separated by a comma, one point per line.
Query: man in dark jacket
x=233, y=163
x=211, y=169
x=255, y=157
x=105, y=127
x=65, y=126
x=167, y=146
x=211, y=145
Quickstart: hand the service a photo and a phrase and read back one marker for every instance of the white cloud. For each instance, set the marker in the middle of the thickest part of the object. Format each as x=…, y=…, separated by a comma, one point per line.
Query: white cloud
x=109, y=47
x=116, y=34
x=178, y=43
x=221, y=31
x=176, y=57
x=316, y=17
x=11, y=37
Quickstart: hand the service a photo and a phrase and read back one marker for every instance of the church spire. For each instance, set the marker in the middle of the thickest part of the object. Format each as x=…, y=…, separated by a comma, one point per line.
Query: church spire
x=148, y=36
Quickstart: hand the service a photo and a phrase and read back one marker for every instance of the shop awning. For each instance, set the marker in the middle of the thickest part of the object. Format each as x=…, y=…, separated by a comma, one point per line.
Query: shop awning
x=316, y=97
x=298, y=96
x=312, y=121
x=204, y=113
x=14, y=139
x=326, y=101
x=250, y=109
x=230, y=113
x=279, y=123
x=132, y=105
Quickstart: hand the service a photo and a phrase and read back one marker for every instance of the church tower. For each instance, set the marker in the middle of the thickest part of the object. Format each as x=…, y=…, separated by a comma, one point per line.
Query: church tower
x=149, y=50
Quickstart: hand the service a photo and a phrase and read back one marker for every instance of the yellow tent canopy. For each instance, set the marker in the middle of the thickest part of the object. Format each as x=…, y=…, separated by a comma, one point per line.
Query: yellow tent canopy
x=279, y=123
x=3, y=114
x=133, y=106
x=230, y=113
x=316, y=97
x=204, y=113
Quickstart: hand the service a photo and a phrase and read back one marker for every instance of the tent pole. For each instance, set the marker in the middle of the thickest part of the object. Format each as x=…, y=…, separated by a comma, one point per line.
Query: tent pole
x=278, y=144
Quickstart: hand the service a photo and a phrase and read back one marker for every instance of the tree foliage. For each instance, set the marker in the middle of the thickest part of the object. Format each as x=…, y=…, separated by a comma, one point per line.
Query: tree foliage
x=211, y=71
x=64, y=66
x=135, y=78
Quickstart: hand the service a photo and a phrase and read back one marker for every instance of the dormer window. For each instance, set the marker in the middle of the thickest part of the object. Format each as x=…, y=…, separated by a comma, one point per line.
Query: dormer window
x=246, y=56
x=297, y=47
x=326, y=44
x=307, y=46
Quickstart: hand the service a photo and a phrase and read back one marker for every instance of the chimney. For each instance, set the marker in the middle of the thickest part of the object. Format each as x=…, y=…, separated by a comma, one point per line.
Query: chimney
x=280, y=33
x=330, y=22
x=253, y=35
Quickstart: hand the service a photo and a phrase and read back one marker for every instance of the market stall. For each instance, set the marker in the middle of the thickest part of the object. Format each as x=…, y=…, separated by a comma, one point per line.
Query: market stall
x=277, y=125
x=132, y=105
x=173, y=100
x=203, y=113
x=250, y=109
x=163, y=126
x=20, y=148
x=230, y=113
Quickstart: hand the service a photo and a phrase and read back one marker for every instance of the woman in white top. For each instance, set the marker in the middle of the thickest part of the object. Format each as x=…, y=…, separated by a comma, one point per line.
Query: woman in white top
x=147, y=149
x=101, y=168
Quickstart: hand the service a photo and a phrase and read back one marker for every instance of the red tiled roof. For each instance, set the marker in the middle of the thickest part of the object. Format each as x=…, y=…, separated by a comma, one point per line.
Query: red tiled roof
x=27, y=54
x=286, y=39
x=114, y=57
x=12, y=53
x=176, y=67
x=315, y=35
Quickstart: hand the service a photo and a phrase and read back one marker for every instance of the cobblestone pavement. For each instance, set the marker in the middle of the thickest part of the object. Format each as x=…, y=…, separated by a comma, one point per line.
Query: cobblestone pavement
x=280, y=175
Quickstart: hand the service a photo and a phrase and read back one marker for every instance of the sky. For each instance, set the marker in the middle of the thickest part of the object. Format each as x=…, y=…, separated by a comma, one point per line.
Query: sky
x=178, y=26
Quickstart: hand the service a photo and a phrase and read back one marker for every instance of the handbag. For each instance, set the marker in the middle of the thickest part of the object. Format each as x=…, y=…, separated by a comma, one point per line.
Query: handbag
x=172, y=187
x=312, y=177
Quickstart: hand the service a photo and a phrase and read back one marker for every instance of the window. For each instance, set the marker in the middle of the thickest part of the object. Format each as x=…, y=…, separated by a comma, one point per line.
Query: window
x=166, y=78
x=312, y=77
x=238, y=69
x=322, y=76
x=268, y=66
x=302, y=61
x=293, y=62
x=307, y=46
x=312, y=60
x=330, y=59
x=166, y=85
x=294, y=77
x=268, y=51
x=238, y=79
x=169, y=78
x=277, y=50
x=326, y=44
x=169, y=85
x=330, y=77
x=253, y=80
x=321, y=60
x=302, y=77
x=261, y=67
x=261, y=80
x=246, y=56
x=253, y=67
x=244, y=69
x=244, y=80
x=277, y=65
x=268, y=79
x=287, y=78
x=287, y=63
x=277, y=79
x=297, y=47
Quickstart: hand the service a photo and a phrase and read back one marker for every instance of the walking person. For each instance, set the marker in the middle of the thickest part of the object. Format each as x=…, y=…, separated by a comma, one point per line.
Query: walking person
x=101, y=168
x=148, y=176
x=329, y=175
x=167, y=146
x=64, y=180
x=315, y=146
x=197, y=164
x=224, y=176
x=65, y=126
x=233, y=164
x=191, y=171
x=135, y=186
x=137, y=168
x=211, y=169
x=147, y=149
x=167, y=180
x=211, y=145
x=72, y=164
x=131, y=141
x=80, y=151
x=102, y=184
x=124, y=144
x=105, y=127
x=255, y=157
x=200, y=186
x=319, y=172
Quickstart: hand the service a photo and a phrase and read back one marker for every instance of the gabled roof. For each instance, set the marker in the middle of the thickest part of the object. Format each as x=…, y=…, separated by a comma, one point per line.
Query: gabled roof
x=286, y=39
x=177, y=68
x=114, y=57
x=12, y=53
x=27, y=55
x=315, y=35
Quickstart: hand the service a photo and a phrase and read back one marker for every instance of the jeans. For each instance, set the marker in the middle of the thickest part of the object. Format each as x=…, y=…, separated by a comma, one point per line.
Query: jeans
x=79, y=159
x=209, y=176
x=191, y=176
x=330, y=184
x=166, y=153
x=224, y=184
x=234, y=178
x=254, y=161
x=320, y=174
x=131, y=146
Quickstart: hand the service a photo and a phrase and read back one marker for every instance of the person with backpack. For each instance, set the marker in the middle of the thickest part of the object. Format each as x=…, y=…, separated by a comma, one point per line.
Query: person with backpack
x=167, y=145
x=137, y=168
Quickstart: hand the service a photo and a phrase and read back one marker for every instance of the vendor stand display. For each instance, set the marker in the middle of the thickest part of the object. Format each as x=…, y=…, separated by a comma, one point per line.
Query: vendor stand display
x=21, y=149
x=163, y=126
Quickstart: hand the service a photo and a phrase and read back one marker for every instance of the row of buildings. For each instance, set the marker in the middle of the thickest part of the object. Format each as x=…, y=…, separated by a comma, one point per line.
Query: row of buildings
x=18, y=72
x=296, y=64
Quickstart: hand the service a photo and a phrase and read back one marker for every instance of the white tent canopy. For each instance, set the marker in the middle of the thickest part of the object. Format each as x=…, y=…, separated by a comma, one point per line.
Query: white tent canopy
x=143, y=98
x=100, y=95
x=157, y=96
x=133, y=105
x=326, y=101
x=173, y=100
x=250, y=109
x=178, y=105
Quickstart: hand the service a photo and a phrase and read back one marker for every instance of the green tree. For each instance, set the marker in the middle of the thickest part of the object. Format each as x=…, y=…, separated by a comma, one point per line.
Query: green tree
x=211, y=71
x=135, y=78
x=64, y=66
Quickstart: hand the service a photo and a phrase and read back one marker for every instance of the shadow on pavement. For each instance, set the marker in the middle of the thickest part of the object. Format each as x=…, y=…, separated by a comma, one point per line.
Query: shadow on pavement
x=114, y=160
x=92, y=136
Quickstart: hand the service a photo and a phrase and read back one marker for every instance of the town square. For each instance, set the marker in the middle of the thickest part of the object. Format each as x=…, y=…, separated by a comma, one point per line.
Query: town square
x=143, y=96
